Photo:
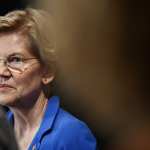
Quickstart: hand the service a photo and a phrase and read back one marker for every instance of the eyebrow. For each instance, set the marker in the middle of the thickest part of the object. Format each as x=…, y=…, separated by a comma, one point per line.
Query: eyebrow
x=15, y=53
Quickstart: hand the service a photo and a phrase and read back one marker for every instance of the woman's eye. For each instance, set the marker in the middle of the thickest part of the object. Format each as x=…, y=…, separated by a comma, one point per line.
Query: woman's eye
x=15, y=60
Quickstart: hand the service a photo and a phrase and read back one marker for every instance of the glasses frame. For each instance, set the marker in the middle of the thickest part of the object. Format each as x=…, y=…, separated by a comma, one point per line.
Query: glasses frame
x=19, y=70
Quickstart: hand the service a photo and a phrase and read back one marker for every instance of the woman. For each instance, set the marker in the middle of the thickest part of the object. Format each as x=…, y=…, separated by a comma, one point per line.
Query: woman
x=26, y=72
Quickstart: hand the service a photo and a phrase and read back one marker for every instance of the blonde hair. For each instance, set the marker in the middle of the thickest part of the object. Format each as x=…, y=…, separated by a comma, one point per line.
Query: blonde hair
x=37, y=26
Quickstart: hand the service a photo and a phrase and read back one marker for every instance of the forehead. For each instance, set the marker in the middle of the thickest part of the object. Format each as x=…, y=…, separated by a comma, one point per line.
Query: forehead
x=14, y=43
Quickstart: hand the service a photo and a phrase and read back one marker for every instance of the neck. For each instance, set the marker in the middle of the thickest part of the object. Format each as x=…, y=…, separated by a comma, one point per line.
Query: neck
x=27, y=119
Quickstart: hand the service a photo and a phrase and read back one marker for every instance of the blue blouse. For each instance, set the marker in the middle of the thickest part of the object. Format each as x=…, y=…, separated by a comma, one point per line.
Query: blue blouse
x=59, y=130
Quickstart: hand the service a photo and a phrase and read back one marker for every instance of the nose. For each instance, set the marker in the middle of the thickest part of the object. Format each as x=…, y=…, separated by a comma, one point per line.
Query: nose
x=4, y=71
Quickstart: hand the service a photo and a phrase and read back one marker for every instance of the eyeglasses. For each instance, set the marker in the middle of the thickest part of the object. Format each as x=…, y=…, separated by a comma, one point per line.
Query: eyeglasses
x=18, y=64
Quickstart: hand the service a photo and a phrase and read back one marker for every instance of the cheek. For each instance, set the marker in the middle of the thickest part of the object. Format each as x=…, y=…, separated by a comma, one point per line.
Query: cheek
x=28, y=83
x=26, y=86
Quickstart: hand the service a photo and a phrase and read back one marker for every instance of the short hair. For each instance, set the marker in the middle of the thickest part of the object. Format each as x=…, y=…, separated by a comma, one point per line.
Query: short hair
x=37, y=25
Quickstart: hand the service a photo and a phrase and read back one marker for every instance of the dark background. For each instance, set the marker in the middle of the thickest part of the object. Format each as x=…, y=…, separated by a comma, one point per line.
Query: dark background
x=103, y=50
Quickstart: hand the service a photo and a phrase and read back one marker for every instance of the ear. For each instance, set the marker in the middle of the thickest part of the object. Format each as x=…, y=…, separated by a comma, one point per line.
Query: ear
x=47, y=79
x=47, y=76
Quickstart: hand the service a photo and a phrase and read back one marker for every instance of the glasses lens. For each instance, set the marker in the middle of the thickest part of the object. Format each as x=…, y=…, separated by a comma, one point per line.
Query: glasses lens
x=18, y=63
x=15, y=62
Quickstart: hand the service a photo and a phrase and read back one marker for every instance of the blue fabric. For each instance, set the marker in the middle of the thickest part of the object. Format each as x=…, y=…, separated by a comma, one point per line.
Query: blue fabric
x=60, y=130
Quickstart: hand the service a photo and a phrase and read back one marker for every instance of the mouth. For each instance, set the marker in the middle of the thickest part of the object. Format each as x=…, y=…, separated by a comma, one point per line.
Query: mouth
x=2, y=86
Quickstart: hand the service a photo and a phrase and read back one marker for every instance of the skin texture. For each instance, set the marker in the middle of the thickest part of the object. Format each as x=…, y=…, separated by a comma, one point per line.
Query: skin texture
x=25, y=97
x=10, y=44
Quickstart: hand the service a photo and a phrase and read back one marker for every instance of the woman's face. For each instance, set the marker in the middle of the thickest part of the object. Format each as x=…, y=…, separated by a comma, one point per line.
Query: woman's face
x=15, y=87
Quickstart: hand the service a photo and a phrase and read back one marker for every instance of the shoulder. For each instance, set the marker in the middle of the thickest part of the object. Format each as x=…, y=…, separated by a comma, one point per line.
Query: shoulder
x=65, y=119
x=61, y=130
x=74, y=133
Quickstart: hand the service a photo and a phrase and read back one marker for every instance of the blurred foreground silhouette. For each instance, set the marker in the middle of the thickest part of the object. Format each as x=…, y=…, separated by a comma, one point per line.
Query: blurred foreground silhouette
x=7, y=138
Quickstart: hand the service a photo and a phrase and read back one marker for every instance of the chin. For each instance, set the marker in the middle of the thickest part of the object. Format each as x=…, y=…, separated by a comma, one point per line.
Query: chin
x=7, y=100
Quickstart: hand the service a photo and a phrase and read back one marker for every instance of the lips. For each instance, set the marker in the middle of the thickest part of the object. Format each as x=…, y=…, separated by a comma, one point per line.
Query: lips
x=5, y=86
